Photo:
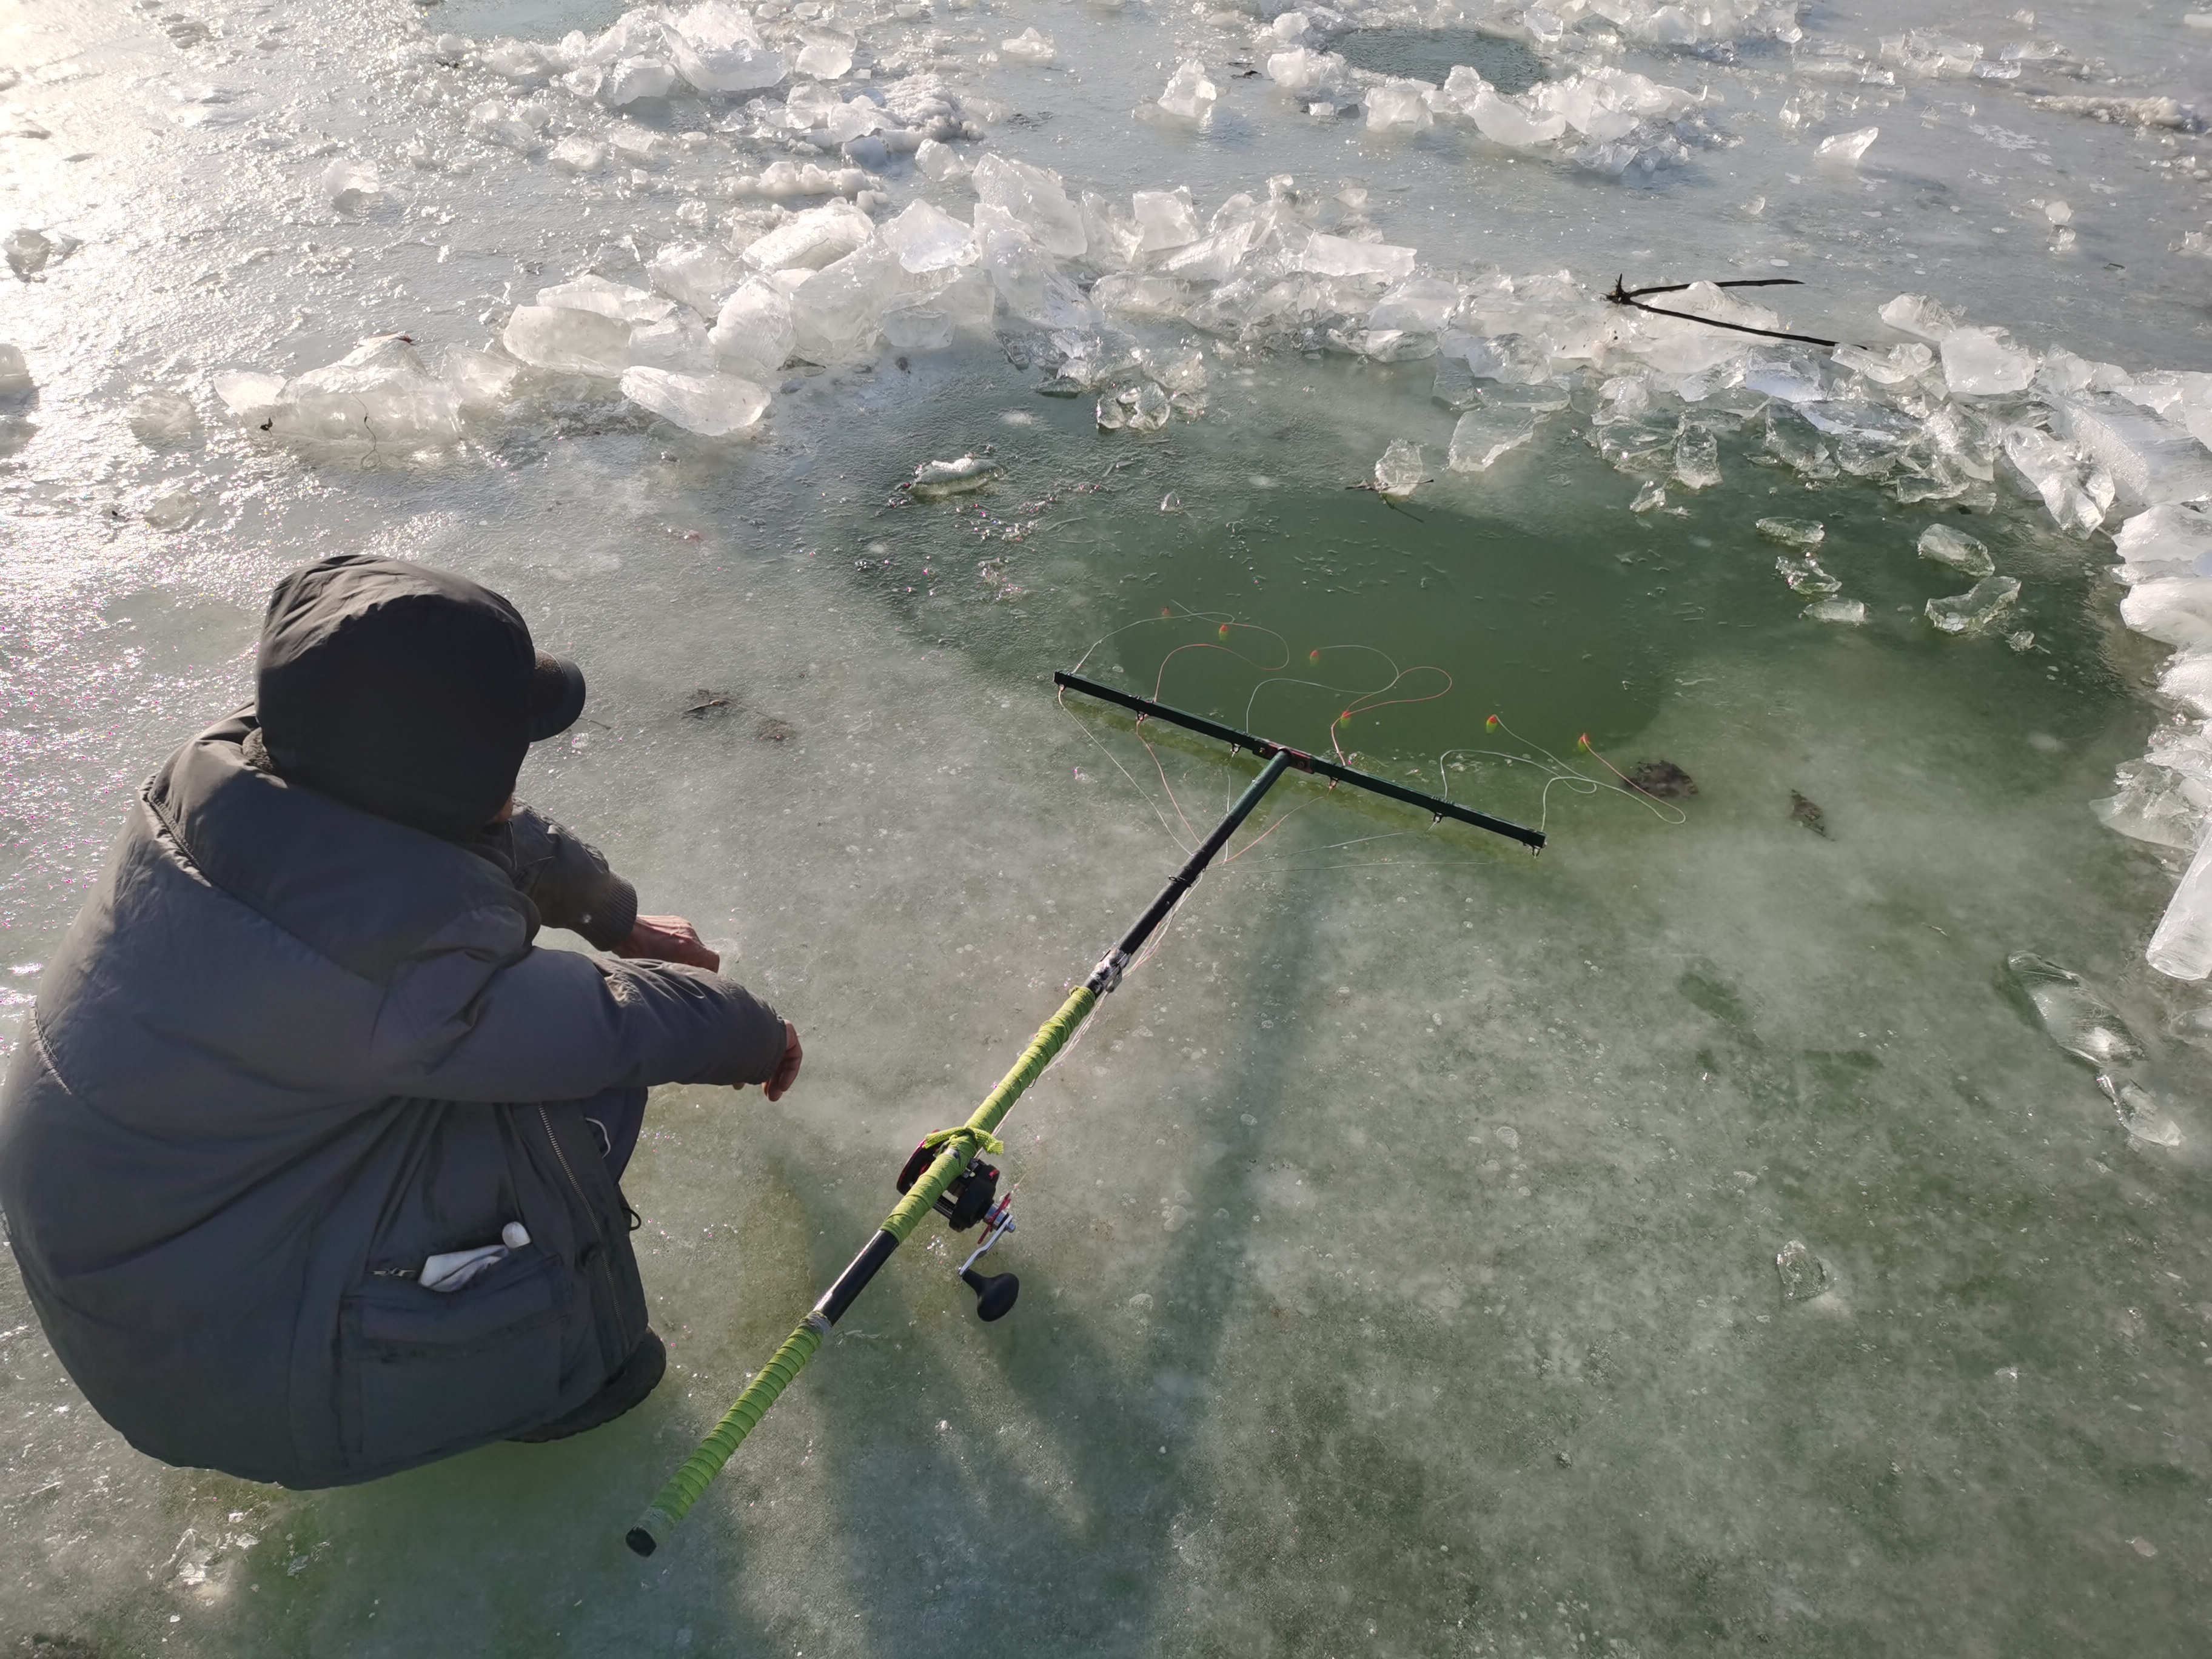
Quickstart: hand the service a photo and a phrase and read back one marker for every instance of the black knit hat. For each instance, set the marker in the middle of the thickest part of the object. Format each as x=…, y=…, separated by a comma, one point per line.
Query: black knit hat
x=405, y=692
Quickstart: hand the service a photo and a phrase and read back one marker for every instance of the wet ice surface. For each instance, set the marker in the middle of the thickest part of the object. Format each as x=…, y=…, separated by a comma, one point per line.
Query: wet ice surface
x=1420, y=1255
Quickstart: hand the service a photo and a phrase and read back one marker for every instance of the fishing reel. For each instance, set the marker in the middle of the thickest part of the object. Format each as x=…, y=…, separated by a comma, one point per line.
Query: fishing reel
x=973, y=1197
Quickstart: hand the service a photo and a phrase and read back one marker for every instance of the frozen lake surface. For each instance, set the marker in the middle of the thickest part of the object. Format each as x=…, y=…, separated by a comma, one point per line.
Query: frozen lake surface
x=1771, y=1221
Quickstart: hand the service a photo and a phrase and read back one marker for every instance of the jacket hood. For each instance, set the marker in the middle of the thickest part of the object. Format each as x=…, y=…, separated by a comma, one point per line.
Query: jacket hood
x=405, y=692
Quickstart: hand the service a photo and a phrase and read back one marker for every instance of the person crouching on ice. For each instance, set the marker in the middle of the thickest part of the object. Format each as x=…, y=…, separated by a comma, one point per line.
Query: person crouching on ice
x=309, y=1156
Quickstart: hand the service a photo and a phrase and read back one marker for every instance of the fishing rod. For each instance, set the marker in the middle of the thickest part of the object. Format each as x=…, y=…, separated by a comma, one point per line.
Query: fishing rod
x=947, y=1172
x=1633, y=298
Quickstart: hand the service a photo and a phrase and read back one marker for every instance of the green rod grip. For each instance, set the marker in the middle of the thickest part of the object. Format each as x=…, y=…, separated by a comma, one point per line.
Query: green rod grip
x=698, y=1471
x=685, y=1486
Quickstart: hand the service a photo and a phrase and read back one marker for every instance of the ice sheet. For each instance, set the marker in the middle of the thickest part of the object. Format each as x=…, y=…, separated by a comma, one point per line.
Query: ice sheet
x=1401, y=1251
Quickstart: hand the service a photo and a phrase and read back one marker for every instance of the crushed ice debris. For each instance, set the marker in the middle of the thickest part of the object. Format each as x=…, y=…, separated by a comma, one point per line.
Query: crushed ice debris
x=1399, y=472
x=1941, y=544
x=1973, y=611
x=15, y=373
x=933, y=481
x=2075, y=1017
x=352, y=187
x=1803, y=1274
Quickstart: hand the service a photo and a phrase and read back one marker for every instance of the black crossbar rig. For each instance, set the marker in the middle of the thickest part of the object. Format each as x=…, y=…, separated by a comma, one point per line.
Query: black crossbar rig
x=1435, y=805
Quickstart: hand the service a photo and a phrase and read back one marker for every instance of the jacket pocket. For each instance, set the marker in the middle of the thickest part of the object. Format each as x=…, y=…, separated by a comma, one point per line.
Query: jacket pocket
x=421, y=1374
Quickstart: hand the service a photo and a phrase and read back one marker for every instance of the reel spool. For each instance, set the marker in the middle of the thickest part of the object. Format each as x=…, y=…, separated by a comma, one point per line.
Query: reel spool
x=972, y=1198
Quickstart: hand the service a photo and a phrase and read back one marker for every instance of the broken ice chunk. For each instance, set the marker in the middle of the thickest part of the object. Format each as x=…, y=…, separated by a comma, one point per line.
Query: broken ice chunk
x=1028, y=47
x=753, y=332
x=1853, y=611
x=1922, y=318
x=1419, y=305
x=29, y=252
x=1164, y=219
x=716, y=48
x=1697, y=457
x=1971, y=611
x=2173, y=610
x=1484, y=433
x=1399, y=472
x=379, y=393
x=1341, y=255
x=1792, y=532
x=2181, y=946
x=172, y=508
x=825, y=54
x=939, y=162
x=2151, y=804
x=247, y=394
x=2075, y=1017
x=629, y=79
x=1399, y=104
x=933, y=481
x=712, y=405
x=820, y=236
x=1805, y=575
x=1145, y=408
x=1978, y=362
x=513, y=126
x=352, y=186
x=568, y=341
x=926, y=238
x=697, y=275
x=578, y=156
x=1847, y=146
x=2144, y=1117
x=1189, y=94
x=162, y=417
x=1033, y=198
x=481, y=382
x=1891, y=367
x=2174, y=539
x=1941, y=544
x=1505, y=121
x=604, y=298
x=15, y=374
x=1303, y=72
x=1803, y=1274
x=2150, y=460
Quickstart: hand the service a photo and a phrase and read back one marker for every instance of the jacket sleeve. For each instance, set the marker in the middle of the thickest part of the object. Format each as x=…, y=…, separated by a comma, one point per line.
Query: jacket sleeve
x=567, y=879
x=476, y=1014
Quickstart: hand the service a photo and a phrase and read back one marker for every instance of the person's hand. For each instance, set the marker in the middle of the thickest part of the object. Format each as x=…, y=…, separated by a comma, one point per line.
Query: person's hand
x=786, y=1070
x=668, y=939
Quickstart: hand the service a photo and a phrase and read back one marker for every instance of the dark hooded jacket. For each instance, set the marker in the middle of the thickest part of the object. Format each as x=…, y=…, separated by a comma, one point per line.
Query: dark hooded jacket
x=289, y=1050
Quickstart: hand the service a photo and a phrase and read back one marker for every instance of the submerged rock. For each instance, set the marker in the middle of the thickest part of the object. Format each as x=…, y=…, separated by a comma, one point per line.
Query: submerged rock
x=1662, y=778
x=1803, y=1274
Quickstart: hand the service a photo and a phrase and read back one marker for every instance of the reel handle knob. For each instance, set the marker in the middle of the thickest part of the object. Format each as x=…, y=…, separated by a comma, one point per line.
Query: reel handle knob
x=995, y=1293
